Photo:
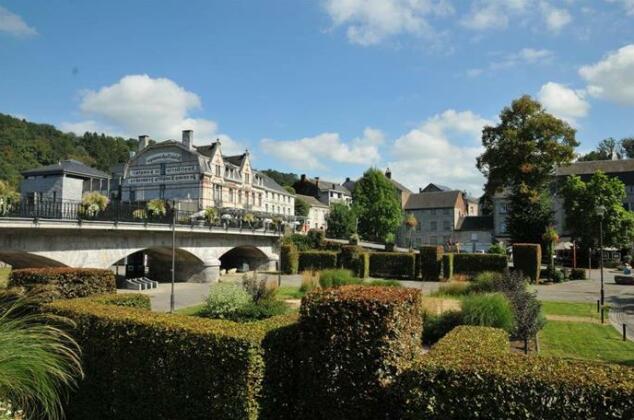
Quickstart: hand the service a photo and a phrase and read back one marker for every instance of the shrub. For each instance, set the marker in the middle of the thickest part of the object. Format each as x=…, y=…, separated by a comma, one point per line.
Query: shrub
x=357, y=339
x=337, y=278
x=497, y=248
x=310, y=280
x=299, y=241
x=437, y=326
x=488, y=310
x=156, y=207
x=453, y=289
x=383, y=283
x=471, y=373
x=577, y=274
x=93, y=203
x=447, y=267
x=128, y=300
x=477, y=263
x=255, y=311
x=317, y=260
x=225, y=300
x=62, y=282
x=393, y=265
x=528, y=259
x=355, y=258
x=485, y=282
x=147, y=365
x=259, y=289
x=556, y=276
x=315, y=238
x=430, y=262
x=289, y=259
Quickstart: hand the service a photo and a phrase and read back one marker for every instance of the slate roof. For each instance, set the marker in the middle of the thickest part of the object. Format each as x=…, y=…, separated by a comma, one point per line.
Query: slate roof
x=311, y=201
x=438, y=187
x=590, y=167
x=476, y=223
x=70, y=167
x=270, y=184
x=235, y=160
x=432, y=200
x=325, y=185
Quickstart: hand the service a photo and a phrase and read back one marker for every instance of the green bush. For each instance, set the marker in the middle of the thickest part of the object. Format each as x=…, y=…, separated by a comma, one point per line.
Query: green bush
x=317, y=260
x=315, y=238
x=456, y=288
x=225, y=300
x=289, y=259
x=394, y=265
x=528, y=259
x=337, y=278
x=577, y=274
x=485, y=282
x=470, y=373
x=356, y=341
x=488, y=310
x=255, y=311
x=146, y=365
x=497, y=248
x=62, y=282
x=437, y=326
x=472, y=264
x=556, y=276
x=430, y=262
x=128, y=300
x=356, y=259
x=447, y=267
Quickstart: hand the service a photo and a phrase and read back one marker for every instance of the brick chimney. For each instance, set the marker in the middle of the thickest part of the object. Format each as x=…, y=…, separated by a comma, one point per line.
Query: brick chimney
x=388, y=173
x=317, y=181
x=303, y=178
x=188, y=138
x=144, y=141
x=420, y=190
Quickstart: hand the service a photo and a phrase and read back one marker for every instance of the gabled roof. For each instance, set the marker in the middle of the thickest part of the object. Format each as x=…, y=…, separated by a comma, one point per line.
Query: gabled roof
x=590, y=167
x=208, y=149
x=325, y=185
x=69, y=167
x=311, y=201
x=476, y=223
x=349, y=184
x=431, y=187
x=433, y=200
x=235, y=159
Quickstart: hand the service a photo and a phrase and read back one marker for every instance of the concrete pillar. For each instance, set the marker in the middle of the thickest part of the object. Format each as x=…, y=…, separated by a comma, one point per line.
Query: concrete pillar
x=209, y=272
x=272, y=265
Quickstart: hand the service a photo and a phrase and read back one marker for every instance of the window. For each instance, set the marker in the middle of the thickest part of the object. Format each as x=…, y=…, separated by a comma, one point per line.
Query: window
x=503, y=208
x=239, y=196
x=218, y=170
x=503, y=227
x=446, y=225
x=246, y=178
x=266, y=207
x=162, y=191
x=163, y=168
x=217, y=192
x=433, y=225
x=132, y=195
x=231, y=195
x=433, y=240
x=260, y=200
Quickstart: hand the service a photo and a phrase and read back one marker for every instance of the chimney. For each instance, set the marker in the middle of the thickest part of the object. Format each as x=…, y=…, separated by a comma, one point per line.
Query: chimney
x=347, y=179
x=388, y=173
x=303, y=178
x=316, y=181
x=420, y=190
x=188, y=138
x=144, y=141
x=334, y=186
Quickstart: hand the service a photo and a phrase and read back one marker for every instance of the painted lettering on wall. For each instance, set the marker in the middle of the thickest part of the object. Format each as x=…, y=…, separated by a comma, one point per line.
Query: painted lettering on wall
x=163, y=157
x=167, y=179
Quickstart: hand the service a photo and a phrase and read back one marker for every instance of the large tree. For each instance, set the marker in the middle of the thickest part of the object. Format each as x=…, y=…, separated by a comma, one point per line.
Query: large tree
x=520, y=155
x=341, y=221
x=606, y=150
x=301, y=207
x=377, y=206
x=581, y=200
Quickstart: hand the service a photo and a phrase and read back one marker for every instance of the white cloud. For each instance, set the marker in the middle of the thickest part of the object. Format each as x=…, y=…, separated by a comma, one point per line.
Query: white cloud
x=14, y=24
x=612, y=78
x=555, y=17
x=497, y=14
x=563, y=102
x=628, y=5
x=139, y=104
x=524, y=56
x=313, y=152
x=369, y=22
x=443, y=150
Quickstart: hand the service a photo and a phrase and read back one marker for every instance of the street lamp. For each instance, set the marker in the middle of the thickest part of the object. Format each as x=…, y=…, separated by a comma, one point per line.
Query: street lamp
x=173, y=255
x=601, y=213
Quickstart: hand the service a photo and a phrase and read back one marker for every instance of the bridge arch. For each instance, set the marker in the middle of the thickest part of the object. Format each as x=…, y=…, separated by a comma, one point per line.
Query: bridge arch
x=244, y=257
x=23, y=259
x=156, y=263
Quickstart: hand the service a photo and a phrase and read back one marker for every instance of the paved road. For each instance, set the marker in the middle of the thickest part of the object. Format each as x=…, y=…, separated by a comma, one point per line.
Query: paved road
x=619, y=297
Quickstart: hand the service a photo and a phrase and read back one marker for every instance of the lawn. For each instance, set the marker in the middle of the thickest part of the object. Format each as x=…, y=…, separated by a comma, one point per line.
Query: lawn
x=581, y=340
x=289, y=292
x=588, y=310
x=4, y=276
x=190, y=310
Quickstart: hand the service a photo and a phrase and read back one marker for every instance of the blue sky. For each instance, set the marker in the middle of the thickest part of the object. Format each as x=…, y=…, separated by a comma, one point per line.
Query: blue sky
x=326, y=87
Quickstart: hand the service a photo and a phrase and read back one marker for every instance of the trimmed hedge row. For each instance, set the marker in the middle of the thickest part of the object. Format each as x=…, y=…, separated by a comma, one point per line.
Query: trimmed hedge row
x=477, y=263
x=317, y=260
x=356, y=340
x=355, y=259
x=393, y=265
x=140, y=364
x=127, y=300
x=430, y=262
x=471, y=373
x=289, y=259
x=63, y=282
x=528, y=259
x=447, y=266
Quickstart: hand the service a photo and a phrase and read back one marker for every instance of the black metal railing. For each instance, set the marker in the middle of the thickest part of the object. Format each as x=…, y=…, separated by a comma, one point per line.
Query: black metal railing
x=118, y=211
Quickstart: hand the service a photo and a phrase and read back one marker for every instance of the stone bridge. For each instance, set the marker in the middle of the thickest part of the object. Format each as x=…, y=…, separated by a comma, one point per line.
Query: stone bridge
x=201, y=251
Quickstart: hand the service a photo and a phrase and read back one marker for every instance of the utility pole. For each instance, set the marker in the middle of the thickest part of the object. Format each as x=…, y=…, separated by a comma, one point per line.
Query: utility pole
x=173, y=255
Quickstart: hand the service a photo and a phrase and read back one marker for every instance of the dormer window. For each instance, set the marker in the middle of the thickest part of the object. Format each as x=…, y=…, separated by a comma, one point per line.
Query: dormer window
x=246, y=178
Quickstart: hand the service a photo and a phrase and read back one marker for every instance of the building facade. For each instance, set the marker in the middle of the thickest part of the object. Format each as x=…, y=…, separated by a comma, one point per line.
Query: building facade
x=475, y=233
x=201, y=177
x=317, y=217
x=327, y=192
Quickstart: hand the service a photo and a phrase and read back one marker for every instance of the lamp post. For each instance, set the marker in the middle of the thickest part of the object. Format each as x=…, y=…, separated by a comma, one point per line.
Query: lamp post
x=173, y=255
x=601, y=214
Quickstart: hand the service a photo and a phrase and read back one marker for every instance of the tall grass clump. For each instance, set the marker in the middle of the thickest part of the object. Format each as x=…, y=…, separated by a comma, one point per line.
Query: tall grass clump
x=485, y=282
x=457, y=288
x=310, y=281
x=39, y=361
x=225, y=300
x=337, y=278
x=488, y=310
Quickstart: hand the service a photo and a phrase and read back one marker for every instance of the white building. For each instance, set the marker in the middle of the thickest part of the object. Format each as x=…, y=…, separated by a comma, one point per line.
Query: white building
x=317, y=213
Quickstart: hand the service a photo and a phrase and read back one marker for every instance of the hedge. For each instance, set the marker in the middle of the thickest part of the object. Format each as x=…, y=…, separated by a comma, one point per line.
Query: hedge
x=355, y=259
x=447, y=266
x=476, y=263
x=356, y=340
x=430, y=262
x=140, y=364
x=528, y=259
x=289, y=259
x=471, y=373
x=317, y=260
x=393, y=265
x=63, y=282
x=128, y=300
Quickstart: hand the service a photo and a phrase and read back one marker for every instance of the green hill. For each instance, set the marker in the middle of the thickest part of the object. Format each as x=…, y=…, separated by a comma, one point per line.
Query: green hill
x=25, y=145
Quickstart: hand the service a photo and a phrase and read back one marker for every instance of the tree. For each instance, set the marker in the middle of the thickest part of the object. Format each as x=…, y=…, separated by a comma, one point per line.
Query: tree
x=581, y=200
x=520, y=154
x=606, y=150
x=377, y=206
x=627, y=144
x=282, y=178
x=301, y=207
x=8, y=197
x=411, y=223
x=550, y=238
x=341, y=221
